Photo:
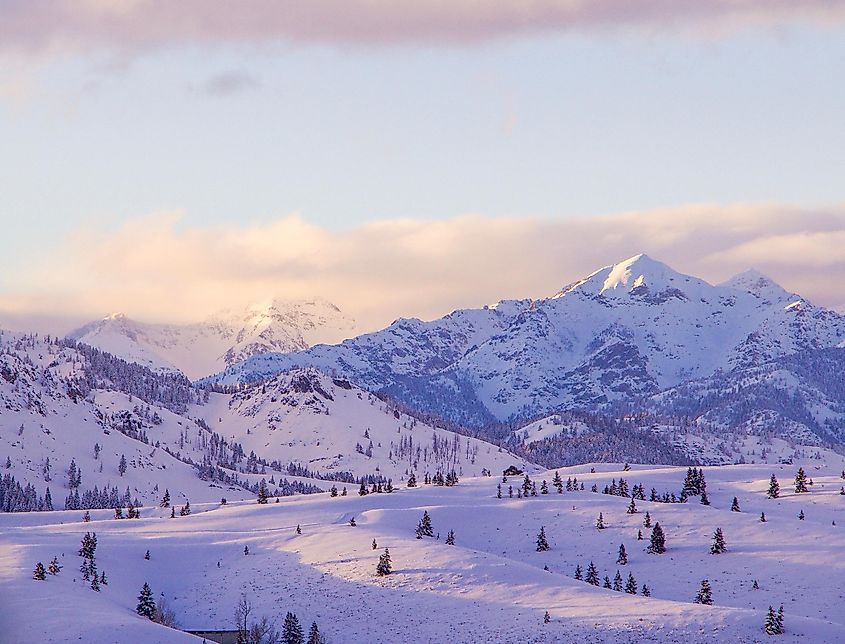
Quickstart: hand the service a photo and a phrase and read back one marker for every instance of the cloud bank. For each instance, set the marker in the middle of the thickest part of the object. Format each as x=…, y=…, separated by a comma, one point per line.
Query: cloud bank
x=156, y=268
x=137, y=25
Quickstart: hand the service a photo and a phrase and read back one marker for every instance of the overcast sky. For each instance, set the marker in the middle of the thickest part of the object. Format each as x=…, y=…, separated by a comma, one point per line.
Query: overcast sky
x=169, y=159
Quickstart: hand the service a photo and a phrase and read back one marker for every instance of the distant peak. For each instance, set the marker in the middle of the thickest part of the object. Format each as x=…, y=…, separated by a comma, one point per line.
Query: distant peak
x=755, y=282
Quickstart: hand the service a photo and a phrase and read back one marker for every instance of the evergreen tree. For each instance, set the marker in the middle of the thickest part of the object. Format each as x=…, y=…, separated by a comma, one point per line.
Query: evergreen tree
x=617, y=582
x=165, y=500
x=632, y=507
x=544, y=488
x=121, y=468
x=578, y=574
x=103, y=579
x=762, y=517
x=118, y=513
x=718, y=546
x=54, y=567
x=647, y=520
x=639, y=535
x=498, y=490
x=450, y=538
x=425, y=525
x=607, y=583
x=770, y=626
x=622, y=559
x=146, y=604
x=801, y=515
x=542, y=543
x=774, y=488
x=779, y=621
x=801, y=481
x=705, y=595
x=39, y=573
x=558, y=483
x=352, y=522
x=646, y=591
x=600, y=522
x=385, y=565
x=292, y=631
x=147, y=555
x=412, y=480
x=658, y=540
x=592, y=575
x=246, y=550
x=343, y=491
x=298, y=529
x=735, y=505
x=362, y=491
x=705, y=500
x=314, y=636
x=375, y=545
x=95, y=581
x=186, y=509
x=755, y=585
x=631, y=585
x=262, y=492
x=173, y=512
x=333, y=491
x=547, y=618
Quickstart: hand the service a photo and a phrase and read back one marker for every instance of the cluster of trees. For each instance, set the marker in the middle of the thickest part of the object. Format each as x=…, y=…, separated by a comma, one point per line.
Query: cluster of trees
x=17, y=498
x=263, y=631
x=592, y=577
x=87, y=551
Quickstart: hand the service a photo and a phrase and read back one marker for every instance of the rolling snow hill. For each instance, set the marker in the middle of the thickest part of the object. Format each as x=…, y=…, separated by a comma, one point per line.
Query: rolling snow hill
x=615, y=339
x=224, y=339
x=492, y=585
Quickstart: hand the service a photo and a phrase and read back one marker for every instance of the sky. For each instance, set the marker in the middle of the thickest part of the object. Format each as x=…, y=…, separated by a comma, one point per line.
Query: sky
x=410, y=158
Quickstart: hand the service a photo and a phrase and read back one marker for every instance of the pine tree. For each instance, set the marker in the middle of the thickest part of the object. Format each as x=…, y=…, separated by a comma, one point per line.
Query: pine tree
x=592, y=575
x=801, y=481
x=412, y=480
x=86, y=517
x=579, y=575
x=600, y=522
x=558, y=483
x=352, y=522
x=617, y=582
x=735, y=505
x=762, y=517
x=755, y=585
x=121, y=468
x=450, y=538
x=718, y=546
x=801, y=515
x=147, y=555
x=146, y=604
x=542, y=542
x=622, y=559
x=186, y=509
x=544, y=488
x=646, y=591
x=165, y=500
x=647, y=520
x=705, y=595
x=95, y=581
x=333, y=491
x=632, y=507
x=246, y=550
x=292, y=631
x=54, y=567
x=425, y=525
x=375, y=545
x=39, y=573
x=547, y=618
x=779, y=621
x=705, y=500
x=774, y=488
x=658, y=540
x=631, y=585
x=498, y=490
x=607, y=583
x=173, y=512
x=343, y=491
x=262, y=492
x=103, y=579
x=362, y=491
x=770, y=626
x=314, y=636
x=385, y=565
x=639, y=535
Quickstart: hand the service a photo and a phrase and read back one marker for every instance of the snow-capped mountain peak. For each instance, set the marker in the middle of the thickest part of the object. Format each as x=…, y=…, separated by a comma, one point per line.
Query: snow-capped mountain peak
x=223, y=339
x=754, y=282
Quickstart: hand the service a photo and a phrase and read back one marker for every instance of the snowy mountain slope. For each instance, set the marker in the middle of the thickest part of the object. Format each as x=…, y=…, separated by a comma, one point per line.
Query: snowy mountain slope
x=624, y=333
x=491, y=585
x=329, y=425
x=224, y=339
x=47, y=421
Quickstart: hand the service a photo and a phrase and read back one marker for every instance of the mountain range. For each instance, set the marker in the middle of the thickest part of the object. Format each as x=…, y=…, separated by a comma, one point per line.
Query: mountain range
x=632, y=336
x=222, y=340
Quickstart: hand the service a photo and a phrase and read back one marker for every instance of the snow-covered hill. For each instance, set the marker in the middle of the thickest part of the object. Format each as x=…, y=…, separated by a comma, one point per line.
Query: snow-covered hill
x=492, y=585
x=330, y=425
x=224, y=339
x=619, y=336
x=63, y=403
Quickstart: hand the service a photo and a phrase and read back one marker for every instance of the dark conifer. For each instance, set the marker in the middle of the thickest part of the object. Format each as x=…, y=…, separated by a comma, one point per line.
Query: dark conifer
x=600, y=522
x=579, y=575
x=39, y=573
x=617, y=582
x=592, y=575
x=801, y=481
x=146, y=604
x=292, y=631
x=735, y=505
x=385, y=565
x=705, y=595
x=658, y=540
x=631, y=585
x=542, y=543
x=718, y=546
x=622, y=559
x=774, y=488
x=54, y=568
x=450, y=538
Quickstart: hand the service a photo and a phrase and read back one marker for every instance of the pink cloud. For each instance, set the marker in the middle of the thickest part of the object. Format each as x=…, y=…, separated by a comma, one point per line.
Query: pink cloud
x=136, y=25
x=156, y=268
